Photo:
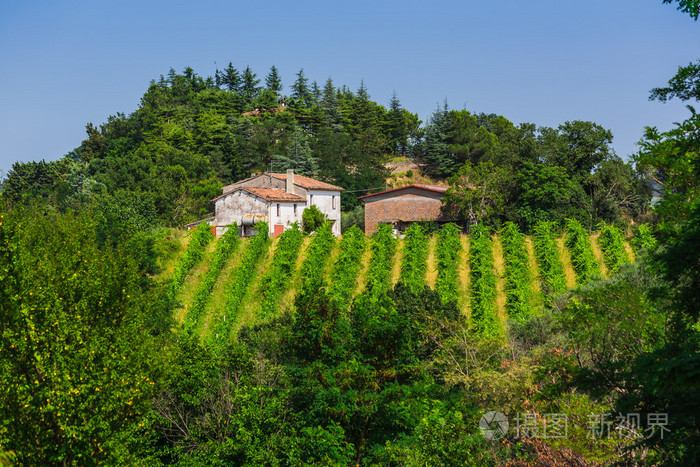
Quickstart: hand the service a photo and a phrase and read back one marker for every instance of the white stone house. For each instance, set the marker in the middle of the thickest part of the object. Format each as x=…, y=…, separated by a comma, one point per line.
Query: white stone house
x=276, y=198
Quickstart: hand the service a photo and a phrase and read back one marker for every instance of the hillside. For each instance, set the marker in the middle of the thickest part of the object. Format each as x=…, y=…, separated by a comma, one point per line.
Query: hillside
x=491, y=276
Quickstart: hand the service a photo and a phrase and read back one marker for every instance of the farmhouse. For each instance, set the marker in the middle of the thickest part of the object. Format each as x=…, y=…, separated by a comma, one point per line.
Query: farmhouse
x=276, y=198
x=402, y=206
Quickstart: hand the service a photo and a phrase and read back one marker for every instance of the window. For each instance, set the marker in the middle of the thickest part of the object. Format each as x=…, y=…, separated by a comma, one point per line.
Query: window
x=333, y=202
x=278, y=210
x=295, y=209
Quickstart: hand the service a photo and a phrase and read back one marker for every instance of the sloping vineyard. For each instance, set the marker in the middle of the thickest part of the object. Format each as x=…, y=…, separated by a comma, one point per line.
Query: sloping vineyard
x=237, y=274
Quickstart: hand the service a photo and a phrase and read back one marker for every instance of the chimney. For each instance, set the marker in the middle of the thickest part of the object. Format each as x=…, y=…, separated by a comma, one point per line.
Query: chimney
x=290, y=181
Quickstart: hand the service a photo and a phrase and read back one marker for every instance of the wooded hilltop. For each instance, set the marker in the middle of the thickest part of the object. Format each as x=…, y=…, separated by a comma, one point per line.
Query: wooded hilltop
x=560, y=328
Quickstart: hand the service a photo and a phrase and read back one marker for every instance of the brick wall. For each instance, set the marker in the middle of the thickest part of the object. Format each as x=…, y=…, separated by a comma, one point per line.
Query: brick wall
x=412, y=204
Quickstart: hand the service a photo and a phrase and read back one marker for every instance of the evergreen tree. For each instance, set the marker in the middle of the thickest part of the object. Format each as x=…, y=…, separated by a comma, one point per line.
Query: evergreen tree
x=397, y=127
x=298, y=155
x=273, y=80
x=300, y=90
x=316, y=91
x=329, y=103
x=434, y=149
x=231, y=78
x=250, y=87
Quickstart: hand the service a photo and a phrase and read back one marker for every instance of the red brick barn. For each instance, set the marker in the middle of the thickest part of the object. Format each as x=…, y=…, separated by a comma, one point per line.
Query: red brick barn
x=402, y=206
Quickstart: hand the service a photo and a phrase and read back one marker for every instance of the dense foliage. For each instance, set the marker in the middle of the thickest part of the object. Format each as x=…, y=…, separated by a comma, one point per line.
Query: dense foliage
x=78, y=360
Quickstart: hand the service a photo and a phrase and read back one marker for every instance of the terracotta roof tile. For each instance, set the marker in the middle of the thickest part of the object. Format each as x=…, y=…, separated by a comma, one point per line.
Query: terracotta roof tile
x=308, y=183
x=268, y=194
x=438, y=189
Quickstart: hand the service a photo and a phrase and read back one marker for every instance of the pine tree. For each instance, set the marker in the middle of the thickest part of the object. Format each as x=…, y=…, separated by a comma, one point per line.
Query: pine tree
x=316, y=91
x=250, y=87
x=397, y=128
x=435, y=150
x=231, y=78
x=298, y=155
x=273, y=80
x=329, y=103
x=300, y=90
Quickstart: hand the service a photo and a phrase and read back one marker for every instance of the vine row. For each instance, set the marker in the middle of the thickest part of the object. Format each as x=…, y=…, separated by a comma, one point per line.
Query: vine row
x=578, y=242
x=613, y=246
x=347, y=266
x=314, y=266
x=244, y=274
x=225, y=246
x=415, y=259
x=483, y=282
x=643, y=239
x=448, y=248
x=277, y=279
x=383, y=248
x=547, y=255
x=517, y=270
x=193, y=255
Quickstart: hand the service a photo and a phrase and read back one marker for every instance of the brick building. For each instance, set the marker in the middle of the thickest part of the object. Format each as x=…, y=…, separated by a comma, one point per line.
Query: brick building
x=402, y=206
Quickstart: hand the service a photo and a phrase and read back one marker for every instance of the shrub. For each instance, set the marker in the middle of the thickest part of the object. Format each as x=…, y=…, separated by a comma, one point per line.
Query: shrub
x=313, y=219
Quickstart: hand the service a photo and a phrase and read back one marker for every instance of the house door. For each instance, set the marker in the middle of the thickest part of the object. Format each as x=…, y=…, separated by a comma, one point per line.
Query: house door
x=278, y=230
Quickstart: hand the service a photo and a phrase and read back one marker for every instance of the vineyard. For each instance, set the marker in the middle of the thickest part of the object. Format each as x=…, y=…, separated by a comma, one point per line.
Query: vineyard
x=220, y=285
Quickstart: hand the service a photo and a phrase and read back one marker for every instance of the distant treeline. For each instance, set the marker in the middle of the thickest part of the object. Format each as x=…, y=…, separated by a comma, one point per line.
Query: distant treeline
x=163, y=163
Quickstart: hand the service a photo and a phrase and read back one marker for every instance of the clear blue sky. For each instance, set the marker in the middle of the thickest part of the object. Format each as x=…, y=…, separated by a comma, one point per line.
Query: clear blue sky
x=66, y=63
